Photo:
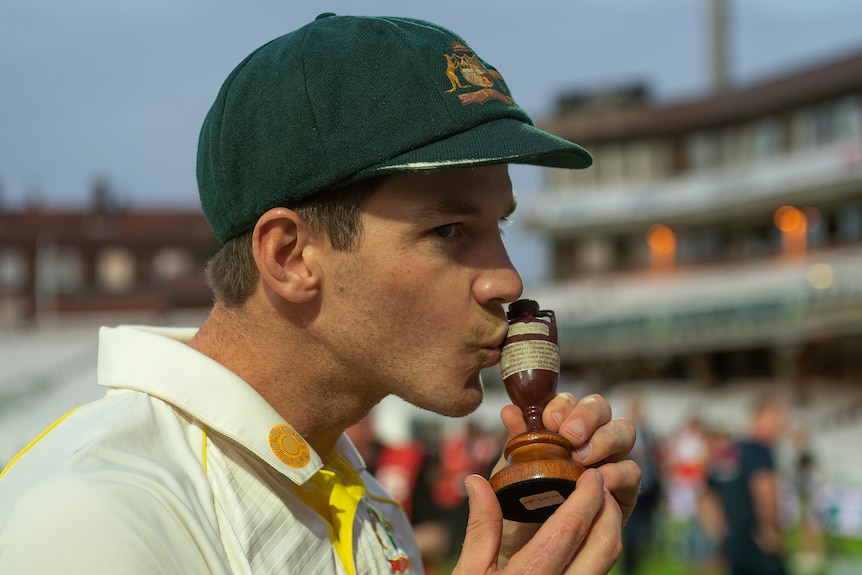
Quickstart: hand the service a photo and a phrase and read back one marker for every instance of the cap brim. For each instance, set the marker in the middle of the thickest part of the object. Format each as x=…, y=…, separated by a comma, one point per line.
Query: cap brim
x=502, y=141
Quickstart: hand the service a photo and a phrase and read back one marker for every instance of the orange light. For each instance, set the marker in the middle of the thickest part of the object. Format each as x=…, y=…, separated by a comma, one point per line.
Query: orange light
x=793, y=224
x=789, y=219
x=661, y=239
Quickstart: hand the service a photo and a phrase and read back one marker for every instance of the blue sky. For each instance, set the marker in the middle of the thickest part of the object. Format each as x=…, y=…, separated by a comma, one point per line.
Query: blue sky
x=117, y=89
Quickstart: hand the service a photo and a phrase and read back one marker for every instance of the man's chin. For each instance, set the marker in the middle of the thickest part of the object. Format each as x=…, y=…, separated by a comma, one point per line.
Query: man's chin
x=469, y=402
x=466, y=403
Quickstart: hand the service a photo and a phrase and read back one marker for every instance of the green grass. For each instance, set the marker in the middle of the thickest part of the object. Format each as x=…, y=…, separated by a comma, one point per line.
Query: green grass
x=842, y=555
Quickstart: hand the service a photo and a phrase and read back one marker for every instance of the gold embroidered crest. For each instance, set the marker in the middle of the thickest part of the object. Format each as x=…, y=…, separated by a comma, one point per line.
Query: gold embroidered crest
x=289, y=446
x=474, y=82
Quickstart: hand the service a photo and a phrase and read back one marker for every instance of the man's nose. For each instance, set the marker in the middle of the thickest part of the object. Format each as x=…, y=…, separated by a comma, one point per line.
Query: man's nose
x=499, y=283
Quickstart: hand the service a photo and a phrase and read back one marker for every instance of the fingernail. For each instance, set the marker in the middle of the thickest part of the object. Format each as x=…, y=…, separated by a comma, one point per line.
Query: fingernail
x=583, y=451
x=568, y=397
x=592, y=472
x=470, y=488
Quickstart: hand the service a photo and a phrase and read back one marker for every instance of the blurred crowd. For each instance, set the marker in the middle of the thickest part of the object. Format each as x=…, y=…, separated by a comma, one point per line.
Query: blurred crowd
x=712, y=499
x=716, y=499
x=426, y=475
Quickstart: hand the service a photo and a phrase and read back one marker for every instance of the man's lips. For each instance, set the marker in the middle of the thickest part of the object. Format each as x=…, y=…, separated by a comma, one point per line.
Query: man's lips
x=495, y=346
x=501, y=338
x=492, y=356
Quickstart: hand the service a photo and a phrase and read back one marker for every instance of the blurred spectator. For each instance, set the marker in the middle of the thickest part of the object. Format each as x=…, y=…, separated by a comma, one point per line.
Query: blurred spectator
x=465, y=450
x=743, y=494
x=364, y=438
x=637, y=534
x=687, y=455
x=687, y=458
x=709, y=512
x=426, y=475
x=811, y=545
x=400, y=468
x=441, y=499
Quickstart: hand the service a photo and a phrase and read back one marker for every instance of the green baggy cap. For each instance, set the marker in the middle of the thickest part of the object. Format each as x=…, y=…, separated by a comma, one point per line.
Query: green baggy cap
x=345, y=98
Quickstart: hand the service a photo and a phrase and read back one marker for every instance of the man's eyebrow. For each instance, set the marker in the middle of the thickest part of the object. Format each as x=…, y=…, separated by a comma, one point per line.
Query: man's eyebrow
x=458, y=207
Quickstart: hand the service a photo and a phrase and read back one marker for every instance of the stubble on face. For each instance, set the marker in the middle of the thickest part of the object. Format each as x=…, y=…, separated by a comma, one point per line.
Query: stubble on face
x=410, y=321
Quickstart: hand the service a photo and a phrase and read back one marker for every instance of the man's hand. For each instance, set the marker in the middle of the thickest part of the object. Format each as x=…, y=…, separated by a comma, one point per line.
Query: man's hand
x=584, y=535
x=597, y=441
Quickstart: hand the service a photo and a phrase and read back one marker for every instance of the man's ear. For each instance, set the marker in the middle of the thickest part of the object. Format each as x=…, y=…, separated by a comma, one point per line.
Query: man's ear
x=284, y=250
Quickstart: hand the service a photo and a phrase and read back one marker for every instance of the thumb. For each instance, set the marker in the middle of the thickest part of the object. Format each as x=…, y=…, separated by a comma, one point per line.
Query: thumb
x=484, y=530
x=513, y=419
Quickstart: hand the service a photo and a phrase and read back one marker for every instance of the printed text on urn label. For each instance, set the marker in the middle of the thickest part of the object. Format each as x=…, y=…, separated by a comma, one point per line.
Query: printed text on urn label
x=529, y=354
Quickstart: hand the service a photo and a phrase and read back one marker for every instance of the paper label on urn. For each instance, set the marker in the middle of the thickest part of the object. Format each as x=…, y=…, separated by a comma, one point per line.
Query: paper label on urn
x=532, y=327
x=529, y=354
x=541, y=500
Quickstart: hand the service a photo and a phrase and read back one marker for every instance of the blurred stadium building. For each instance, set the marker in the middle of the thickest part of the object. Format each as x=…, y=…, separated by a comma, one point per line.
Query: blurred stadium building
x=104, y=258
x=714, y=250
x=713, y=238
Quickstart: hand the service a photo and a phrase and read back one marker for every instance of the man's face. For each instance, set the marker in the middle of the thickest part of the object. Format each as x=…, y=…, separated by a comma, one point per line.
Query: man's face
x=417, y=309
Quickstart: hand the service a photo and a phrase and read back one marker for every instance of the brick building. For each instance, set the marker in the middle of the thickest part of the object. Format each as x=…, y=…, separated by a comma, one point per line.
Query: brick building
x=101, y=259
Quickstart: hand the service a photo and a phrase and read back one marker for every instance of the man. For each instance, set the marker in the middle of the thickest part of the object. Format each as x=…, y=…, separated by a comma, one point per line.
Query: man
x=742, y=497
x=359, y=204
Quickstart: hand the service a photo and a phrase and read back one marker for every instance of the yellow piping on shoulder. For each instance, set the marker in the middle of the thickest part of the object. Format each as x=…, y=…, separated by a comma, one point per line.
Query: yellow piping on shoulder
x=35, y=441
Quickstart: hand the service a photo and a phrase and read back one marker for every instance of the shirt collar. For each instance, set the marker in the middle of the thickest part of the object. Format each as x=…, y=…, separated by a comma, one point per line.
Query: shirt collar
x=157, y=361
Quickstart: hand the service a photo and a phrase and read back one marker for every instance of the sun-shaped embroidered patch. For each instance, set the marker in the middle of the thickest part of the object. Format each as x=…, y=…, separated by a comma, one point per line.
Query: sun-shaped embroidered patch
x=290, y=448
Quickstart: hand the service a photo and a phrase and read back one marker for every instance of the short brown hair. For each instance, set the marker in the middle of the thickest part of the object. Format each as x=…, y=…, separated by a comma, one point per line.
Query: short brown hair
x=232, y=274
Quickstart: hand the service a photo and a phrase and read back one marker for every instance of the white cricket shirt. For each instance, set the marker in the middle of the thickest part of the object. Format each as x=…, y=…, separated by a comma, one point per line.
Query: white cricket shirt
x=183, y=468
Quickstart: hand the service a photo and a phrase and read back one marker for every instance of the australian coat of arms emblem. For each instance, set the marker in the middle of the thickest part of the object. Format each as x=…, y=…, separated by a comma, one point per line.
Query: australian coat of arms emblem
x=475, y=82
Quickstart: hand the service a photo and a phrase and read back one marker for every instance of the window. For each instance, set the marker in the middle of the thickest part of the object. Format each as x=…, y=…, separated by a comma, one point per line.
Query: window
x=59, y=269
x=561, y=179
x=848, y=223
x=703, y=151
x=170, y=264
x=115, y=270
x=827, y=123
x=766, y=138
x=640, y=162
x=609, y=164
x=701, y=245
x=12, y=269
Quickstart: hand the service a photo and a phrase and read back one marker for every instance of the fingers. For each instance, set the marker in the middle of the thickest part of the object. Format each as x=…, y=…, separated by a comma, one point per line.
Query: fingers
x=583, y=536
x=576, y=419
x=558, y=409
x=623, y=480
x=603, y=545
x=587, y=424
x=611, y=442
x=568, y=531
x=484, y=529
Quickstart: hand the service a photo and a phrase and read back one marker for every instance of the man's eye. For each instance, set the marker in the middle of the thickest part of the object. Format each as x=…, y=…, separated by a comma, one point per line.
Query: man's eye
x=444, y=231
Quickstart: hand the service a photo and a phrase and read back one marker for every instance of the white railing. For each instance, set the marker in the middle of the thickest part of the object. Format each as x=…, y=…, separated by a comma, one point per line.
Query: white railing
x=799, y=173
x=721, y=307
